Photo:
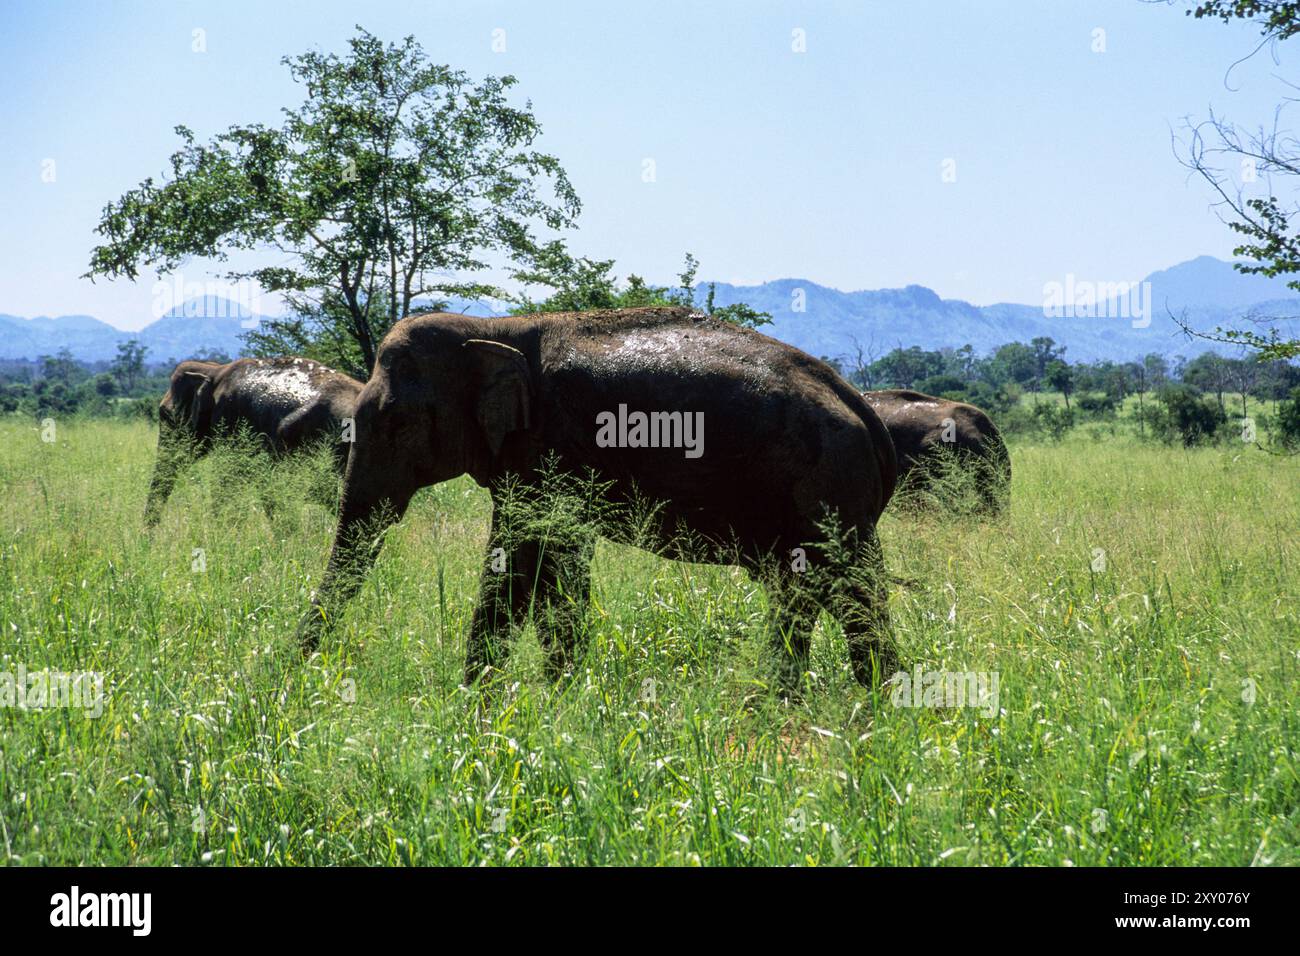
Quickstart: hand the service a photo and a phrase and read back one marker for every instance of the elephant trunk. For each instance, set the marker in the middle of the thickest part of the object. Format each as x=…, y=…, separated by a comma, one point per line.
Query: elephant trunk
x=175, y=451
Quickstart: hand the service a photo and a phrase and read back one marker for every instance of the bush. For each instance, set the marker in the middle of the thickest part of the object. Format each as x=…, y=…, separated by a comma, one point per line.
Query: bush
x=982, y=395
x=1019, y=421
x=942, y=385
x=1288, y=420
x=146, y=408
x=1056, y=420
x=1188, y=416
x=1096, y=406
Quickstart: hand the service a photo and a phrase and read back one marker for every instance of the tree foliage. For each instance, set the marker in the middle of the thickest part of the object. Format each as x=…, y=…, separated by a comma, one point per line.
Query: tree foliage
x=1277, y=19
x=580, y=284
x=394, y=181
x=128, y=366
x=1269, y=243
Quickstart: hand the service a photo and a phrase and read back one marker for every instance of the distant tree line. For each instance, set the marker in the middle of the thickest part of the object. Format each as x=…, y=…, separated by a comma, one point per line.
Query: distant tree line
x=1189, y=400
x=1030, y=389
x=58, y=384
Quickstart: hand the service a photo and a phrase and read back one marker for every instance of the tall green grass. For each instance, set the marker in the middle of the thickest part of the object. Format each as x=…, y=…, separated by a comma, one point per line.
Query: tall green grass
x=1139, y=604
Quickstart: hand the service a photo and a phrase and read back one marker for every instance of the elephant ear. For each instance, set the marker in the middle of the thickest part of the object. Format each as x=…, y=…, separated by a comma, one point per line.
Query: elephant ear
x=200, y=404
x=504, y=403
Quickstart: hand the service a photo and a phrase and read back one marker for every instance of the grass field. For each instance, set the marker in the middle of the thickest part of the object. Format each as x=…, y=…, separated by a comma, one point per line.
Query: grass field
x=1140, y=606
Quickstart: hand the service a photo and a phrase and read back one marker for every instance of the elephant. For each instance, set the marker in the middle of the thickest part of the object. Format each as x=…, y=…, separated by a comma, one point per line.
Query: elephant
x=288, y=402
x=921, y=426
x=621, y=396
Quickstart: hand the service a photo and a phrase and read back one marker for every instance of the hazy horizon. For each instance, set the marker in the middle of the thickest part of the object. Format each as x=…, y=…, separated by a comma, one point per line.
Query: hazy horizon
x=703, y=280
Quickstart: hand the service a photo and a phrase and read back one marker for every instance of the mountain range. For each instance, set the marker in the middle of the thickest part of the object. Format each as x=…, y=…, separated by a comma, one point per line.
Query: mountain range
x=1207, y=292
x=818, y=319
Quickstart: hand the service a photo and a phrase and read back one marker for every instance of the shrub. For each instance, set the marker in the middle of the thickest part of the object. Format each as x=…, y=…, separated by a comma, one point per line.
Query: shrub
x=943, y=385
x=1096, y=406
x=1056, y=420
x=1188, y=416
x=1288, y=420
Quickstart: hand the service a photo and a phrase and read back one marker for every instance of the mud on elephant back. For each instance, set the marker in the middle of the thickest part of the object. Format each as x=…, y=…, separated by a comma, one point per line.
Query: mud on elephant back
x=744, y=448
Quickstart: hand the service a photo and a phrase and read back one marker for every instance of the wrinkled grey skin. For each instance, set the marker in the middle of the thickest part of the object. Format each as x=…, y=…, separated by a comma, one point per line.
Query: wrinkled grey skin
x=918, y=423
x=786, y=442
x=290, y=402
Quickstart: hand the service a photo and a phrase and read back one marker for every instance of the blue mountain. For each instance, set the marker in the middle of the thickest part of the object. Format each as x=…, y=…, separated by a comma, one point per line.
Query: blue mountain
x=1207, y=292
x=1204, y=292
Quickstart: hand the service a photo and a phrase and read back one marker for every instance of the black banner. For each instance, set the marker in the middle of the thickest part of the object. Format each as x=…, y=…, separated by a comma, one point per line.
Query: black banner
x=334, y=905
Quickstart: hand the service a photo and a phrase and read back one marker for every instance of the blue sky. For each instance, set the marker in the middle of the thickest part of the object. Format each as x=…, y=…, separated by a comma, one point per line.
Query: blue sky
x=825, y=165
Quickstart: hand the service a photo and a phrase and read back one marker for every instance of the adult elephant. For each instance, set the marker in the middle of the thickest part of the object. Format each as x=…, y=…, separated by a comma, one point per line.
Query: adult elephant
x=289, y=402
x=747, y=452
x=923, y=427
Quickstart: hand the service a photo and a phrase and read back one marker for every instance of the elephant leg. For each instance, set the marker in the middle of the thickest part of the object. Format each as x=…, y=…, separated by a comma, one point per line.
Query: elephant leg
x=506, y=587
x=564, y=590
x=175, y=452
x=268, y=486
x=377, y=489
x=293, y=431
x=858, y=597
x=997, y=477
x=306, y=429
x=792, y=615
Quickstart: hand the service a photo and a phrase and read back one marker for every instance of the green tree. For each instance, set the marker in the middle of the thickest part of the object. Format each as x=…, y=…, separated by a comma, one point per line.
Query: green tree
x=1209, y=373
x=1012, y=362
x=903, y=368
x=1116, y=379
x=960, y=362
x=128, y=366
x=394, y=181
x=1046, y=351
x=1278, y=19
x=1288, y=420
x=60, y=368
x=581, y=284
x=1212, y=148
x=1189, y=416
x=1059, y=376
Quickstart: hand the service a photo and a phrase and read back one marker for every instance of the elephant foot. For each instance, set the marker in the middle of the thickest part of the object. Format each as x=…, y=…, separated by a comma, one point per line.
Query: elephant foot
x=874, y=664
x=309, y=631
x=558, y=672
x=790, y=677
x=479, y=674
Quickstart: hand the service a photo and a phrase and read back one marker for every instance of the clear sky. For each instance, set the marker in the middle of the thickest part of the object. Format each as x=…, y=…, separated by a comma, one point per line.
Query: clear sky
x=825, y=165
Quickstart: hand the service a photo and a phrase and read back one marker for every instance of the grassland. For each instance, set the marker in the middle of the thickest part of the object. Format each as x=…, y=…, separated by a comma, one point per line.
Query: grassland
x=1147, y=709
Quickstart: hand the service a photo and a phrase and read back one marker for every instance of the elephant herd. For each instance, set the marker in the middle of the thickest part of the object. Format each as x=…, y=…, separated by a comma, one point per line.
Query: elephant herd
x=670, y=430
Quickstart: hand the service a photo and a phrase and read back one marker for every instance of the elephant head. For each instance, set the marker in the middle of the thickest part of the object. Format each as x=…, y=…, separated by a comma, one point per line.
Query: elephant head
x=188, y=403
x=184, y=424
x=478, y=402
